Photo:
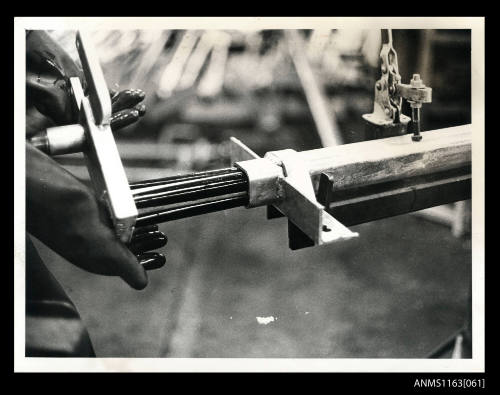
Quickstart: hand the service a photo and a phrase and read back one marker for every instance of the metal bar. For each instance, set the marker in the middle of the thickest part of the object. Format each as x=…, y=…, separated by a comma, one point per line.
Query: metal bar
x=165, y=180
x=192, y=203
x=99, y=98
x=392, y=158
x=190, y=211
x=360, y=205
x=107, y=173
x=191, y=194
x=183, y=183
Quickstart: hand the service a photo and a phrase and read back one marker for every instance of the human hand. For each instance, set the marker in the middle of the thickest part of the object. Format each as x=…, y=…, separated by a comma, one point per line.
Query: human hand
x=48, y=71
x=65, y=215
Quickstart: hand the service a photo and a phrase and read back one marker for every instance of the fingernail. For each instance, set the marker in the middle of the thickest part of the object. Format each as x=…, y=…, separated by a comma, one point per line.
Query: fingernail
x=151, y=260
x=127, y=99
x=144, y=229
x=148, y=241
x=124, y=118
x=141, y=107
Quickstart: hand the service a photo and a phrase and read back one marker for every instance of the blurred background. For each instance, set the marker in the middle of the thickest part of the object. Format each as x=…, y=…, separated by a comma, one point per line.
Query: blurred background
x=231, y=286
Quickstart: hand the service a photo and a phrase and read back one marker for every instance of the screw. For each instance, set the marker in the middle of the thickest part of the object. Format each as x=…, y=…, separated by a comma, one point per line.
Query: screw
x=415, y=115
x=379, y=86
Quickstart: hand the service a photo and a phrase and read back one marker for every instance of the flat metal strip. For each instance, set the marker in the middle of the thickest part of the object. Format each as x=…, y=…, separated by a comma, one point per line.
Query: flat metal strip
x=100, y=100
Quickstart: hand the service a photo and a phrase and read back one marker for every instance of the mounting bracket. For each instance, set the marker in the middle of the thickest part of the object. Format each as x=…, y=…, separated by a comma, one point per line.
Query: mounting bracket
x=282, y=181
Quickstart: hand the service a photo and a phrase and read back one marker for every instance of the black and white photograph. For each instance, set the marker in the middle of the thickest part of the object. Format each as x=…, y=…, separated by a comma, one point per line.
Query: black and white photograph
x=249, y=194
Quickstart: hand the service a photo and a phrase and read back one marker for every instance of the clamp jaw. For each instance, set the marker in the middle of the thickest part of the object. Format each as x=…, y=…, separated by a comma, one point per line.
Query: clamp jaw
x=92, y=135
x=282, y=182
x=387, y=120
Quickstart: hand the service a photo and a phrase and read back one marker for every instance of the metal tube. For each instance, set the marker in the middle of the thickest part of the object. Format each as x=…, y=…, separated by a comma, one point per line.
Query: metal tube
x=190, y=194
x=190, y=211
x=190, y=183
x=178, y=205
x=165, y=180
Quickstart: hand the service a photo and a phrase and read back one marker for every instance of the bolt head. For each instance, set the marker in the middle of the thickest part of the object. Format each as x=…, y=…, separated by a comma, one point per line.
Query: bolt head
x=378, y=85
x=416, y=82
x=416, y=138
x=384, y=69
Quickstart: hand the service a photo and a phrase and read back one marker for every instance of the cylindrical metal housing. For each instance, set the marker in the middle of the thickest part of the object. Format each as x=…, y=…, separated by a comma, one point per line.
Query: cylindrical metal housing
x=65, y=139
x=263, y=178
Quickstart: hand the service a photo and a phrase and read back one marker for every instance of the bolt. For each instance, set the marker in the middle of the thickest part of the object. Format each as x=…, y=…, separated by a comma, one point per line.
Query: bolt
x=415, y=115
x=391, y=90
x=384, y=69
x=416, y=82
x=379, y=86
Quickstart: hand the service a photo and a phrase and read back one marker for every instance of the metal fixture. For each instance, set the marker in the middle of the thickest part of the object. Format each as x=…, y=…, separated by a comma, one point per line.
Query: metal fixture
x=387, y=119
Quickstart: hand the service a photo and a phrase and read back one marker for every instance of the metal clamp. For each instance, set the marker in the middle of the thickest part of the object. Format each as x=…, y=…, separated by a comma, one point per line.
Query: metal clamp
x=283, y=182
x=103, y=159
x=386, y=120
x=93, y=136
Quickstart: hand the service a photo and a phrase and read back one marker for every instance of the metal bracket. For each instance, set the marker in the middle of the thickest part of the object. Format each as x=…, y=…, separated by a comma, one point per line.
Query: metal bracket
x=283, y=182
x=103, y=159
x=93, y=136
x=386, y=120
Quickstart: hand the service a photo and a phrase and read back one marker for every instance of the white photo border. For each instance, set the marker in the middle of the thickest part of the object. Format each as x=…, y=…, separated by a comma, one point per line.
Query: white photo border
x=475, y=364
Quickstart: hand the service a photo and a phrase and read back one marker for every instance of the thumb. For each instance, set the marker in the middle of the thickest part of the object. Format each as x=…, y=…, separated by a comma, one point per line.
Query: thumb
x=126, y=265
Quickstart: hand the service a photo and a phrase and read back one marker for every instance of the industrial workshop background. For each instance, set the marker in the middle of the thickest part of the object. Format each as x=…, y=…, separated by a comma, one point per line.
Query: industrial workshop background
x=231, y=287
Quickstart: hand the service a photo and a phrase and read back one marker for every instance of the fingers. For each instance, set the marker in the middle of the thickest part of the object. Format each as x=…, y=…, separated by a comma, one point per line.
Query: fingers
x=48, y=69
x=127, y=117
x=144, y=229
x=141, y=107
x=124, y=118
x=130, y=269
x=145, y=239
x=126, y=99
x=151, y=260
x=127, y=107
x=65, y=215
